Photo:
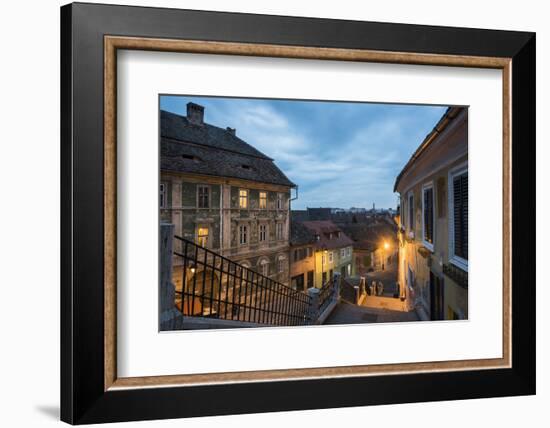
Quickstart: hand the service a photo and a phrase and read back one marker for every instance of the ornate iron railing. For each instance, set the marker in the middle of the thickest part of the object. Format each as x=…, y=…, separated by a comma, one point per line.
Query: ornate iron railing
x=215, y=287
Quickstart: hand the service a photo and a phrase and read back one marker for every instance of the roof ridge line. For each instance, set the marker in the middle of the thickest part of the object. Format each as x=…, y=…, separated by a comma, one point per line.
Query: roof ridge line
x=218, y=148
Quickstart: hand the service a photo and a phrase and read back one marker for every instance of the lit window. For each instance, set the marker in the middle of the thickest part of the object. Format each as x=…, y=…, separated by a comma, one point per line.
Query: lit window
x=323, y=260
x=203, y=196
x=428, y=215
x=162, y=195
x=202, y=236
x=263, y=200
x=263, y=232
x=243, y=198
x=279, y=231
x=243, y=234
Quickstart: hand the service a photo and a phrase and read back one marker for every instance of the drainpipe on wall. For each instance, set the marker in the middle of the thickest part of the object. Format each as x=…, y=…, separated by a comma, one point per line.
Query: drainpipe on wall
x=293, y=199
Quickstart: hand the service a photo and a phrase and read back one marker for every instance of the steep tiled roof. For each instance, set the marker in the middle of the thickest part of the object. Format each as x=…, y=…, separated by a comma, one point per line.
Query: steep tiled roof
x=207, y=149
x=324, y=229
x=300, y=235
x=369, y=237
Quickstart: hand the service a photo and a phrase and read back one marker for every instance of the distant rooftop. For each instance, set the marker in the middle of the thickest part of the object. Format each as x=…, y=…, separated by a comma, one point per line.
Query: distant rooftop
x=327, y=234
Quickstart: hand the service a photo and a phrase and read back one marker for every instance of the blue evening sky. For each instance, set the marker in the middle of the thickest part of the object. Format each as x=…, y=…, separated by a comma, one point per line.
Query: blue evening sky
x=340, y=154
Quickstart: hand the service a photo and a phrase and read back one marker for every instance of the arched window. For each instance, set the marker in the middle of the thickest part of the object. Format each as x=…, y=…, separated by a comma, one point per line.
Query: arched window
x=263, y=266
x=281, y=263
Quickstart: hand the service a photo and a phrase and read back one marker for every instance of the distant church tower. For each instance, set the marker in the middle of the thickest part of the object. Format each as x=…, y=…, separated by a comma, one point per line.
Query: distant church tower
x=373, y=207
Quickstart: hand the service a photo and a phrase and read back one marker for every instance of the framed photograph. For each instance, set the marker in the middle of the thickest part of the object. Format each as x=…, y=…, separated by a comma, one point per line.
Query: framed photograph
x=256, y=208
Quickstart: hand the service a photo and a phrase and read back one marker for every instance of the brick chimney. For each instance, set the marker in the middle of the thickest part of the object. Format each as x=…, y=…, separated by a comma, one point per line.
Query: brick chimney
x=232, y=131
x=195, y=114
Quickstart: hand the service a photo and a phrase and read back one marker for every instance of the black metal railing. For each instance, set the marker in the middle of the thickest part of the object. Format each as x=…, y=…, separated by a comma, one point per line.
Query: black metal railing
x=213, y=286
x=326, y=294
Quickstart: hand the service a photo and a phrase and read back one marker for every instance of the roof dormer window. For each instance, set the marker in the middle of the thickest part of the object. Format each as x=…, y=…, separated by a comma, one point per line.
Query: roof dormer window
x=191, y=157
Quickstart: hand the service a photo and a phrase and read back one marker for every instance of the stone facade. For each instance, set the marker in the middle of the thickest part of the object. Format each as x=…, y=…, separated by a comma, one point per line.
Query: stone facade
x=223, y=194
x=254, y=237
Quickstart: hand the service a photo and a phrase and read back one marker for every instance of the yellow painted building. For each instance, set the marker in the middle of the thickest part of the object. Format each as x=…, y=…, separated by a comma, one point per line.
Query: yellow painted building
x=330, y=251
x=433, y=223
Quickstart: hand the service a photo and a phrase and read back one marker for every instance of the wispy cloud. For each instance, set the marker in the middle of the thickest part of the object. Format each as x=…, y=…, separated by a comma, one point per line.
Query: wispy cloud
x=339, y=154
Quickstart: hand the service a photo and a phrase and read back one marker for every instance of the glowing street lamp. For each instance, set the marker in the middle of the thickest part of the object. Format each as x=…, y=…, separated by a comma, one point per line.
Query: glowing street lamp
x=385, y=246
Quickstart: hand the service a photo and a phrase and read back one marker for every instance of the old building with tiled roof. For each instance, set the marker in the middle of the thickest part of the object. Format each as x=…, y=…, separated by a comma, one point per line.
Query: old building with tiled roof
x=433, y=223
x=318, y=250
x=224, y=194
x=302, y=256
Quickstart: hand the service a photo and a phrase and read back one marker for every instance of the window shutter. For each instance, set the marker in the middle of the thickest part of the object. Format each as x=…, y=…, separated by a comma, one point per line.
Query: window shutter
x=411, y=212
x=460, y=202
x=428, y=215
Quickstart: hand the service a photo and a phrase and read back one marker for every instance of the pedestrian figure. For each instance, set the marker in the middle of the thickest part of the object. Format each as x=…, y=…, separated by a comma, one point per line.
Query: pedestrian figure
x=380, y=288
x=373, y=288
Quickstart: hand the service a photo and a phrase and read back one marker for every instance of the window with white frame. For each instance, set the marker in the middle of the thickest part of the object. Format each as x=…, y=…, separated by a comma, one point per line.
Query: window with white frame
x=428, y=215
x=263, y=232
x=243, y=234
x=203, y=196
x=330, y=256
x=202, y=236
x=323, y=260
x=343, y=252
x=263, y=200
x=458, y=217
x=162, y=198
x=348, y=251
